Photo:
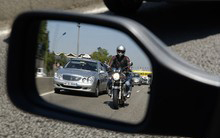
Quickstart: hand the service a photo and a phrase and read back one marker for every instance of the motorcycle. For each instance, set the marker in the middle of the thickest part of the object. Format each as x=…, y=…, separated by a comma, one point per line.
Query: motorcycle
x=118, y=87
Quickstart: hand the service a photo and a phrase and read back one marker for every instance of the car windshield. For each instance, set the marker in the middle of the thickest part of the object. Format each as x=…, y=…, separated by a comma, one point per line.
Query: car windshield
x=84, y=65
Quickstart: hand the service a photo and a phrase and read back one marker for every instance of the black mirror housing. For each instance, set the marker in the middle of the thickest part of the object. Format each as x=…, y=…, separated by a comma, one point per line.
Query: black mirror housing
x=182, y=105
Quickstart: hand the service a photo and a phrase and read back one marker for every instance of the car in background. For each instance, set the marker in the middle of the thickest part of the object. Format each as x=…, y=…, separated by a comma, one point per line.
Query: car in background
x=40, y=72
x=147, y=79
x=145, y=75
x=84, y=75
x=150, y=78
x=136, y=79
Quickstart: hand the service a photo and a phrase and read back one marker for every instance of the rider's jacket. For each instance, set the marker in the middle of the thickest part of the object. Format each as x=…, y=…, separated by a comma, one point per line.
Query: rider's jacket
x=120, y=62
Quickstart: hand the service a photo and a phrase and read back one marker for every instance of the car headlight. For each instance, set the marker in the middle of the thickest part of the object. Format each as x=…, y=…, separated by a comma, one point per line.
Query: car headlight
x=58, y=76
x=116, y=76
x=88, y=80
x=84, y=80
x=91, y=79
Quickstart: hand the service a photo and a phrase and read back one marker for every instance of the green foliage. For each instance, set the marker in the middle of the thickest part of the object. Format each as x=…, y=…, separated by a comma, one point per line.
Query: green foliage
x=43, y=48
x=43, y=40
x=62, y=59
x=101, y=54
x=50, y=61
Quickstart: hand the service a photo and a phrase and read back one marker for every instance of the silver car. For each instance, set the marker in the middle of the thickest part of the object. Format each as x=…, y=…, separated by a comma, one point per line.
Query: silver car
x=82, y=75
x=136, y=79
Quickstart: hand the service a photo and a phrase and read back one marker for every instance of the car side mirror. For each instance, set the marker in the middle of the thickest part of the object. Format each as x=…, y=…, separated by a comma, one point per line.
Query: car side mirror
x=181, y=101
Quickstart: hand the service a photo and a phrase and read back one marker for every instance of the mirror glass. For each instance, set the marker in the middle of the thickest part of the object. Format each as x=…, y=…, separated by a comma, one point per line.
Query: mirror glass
x=79, y=65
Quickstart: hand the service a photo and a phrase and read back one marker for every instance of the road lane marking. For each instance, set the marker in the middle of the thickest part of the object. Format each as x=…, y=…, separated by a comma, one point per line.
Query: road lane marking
x=47, y=93
x=141, y=89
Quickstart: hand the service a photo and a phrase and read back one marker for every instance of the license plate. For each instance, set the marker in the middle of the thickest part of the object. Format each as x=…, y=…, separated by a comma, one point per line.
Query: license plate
x=70, y=84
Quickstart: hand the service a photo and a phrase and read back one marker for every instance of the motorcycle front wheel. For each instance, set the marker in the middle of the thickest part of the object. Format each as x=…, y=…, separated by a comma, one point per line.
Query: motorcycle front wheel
x=115, y=99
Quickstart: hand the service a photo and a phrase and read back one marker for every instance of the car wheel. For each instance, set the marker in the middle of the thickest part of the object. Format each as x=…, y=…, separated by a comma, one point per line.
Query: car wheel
x=123, y=6
x=96, y=94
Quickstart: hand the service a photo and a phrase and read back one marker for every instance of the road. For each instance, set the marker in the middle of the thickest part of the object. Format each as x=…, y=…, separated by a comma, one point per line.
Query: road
x=133, y=111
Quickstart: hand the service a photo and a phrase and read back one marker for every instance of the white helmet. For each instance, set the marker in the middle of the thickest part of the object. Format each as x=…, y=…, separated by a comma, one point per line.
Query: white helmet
x=121, y=50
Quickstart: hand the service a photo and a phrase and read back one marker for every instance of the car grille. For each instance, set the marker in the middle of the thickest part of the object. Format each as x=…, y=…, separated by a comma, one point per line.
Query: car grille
x=71, y=78
x=136, y=80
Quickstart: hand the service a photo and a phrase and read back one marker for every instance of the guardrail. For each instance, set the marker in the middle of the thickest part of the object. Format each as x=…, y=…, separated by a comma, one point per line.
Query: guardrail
x=44, y=84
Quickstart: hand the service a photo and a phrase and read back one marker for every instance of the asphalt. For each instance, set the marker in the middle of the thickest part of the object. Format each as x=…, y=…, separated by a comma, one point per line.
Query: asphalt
x=133, y=112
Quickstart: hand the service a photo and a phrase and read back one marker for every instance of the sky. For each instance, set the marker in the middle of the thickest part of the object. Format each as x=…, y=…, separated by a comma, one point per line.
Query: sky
x=63, y=38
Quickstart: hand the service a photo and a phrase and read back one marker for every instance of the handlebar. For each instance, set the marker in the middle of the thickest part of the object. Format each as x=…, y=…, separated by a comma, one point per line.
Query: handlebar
x=124, y=70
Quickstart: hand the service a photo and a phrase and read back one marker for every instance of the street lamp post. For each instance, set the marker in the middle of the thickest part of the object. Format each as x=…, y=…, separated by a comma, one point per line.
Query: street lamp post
x=78, y=25
x=56, y=44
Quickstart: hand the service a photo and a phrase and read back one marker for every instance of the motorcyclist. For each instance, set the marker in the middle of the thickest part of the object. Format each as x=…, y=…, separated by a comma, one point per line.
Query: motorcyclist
x=122, y=61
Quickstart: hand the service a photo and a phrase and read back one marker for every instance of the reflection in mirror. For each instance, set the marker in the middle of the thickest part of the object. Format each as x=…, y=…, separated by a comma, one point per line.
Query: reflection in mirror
x=92, y=69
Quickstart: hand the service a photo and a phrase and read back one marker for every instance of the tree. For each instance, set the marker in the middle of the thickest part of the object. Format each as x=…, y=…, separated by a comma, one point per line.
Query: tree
x=43, y=41
x=62, y=59
x=101, y=54
x=43, y=52
x=50, y=61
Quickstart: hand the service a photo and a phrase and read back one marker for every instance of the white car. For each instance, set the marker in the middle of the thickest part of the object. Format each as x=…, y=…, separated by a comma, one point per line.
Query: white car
x=40, y=72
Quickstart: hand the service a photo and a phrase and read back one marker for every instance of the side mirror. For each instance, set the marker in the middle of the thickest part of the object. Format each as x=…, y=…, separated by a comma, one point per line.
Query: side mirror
x=182, y=98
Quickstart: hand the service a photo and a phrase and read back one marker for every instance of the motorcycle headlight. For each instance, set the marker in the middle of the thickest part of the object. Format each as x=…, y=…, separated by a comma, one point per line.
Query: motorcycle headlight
x=58, y=76
x=116, y=76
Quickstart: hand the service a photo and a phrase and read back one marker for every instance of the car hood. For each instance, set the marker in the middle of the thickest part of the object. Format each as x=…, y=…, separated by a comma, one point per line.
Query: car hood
x=84, y=73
